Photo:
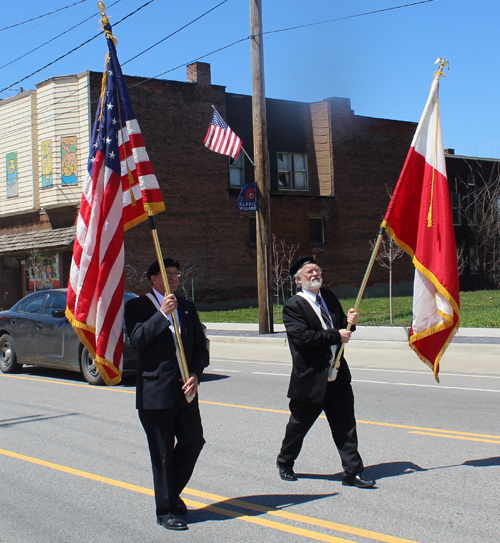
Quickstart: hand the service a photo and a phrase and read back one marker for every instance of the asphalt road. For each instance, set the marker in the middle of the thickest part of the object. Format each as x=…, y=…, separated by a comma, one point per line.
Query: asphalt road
x=74, y=465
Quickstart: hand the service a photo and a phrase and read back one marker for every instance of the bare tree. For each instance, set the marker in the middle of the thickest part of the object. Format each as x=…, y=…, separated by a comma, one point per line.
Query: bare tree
x=185, y=283
x=283, y=256
x=33, y=266
x=388, y=252
x=482, y=211
x=462, y=259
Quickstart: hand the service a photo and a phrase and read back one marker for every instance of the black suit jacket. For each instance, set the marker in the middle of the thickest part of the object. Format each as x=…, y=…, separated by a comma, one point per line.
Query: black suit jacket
x=158, y=370
x=310, y=346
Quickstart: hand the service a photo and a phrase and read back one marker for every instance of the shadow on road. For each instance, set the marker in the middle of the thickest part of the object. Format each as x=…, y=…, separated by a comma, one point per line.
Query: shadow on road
x=255, y=505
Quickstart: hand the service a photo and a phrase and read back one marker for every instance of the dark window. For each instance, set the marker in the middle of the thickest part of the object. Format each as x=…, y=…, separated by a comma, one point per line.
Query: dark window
x=32, y=305
x=237, y=171
x=455, y=207
x=252, y=227
x=316, y=231
x=54, y=301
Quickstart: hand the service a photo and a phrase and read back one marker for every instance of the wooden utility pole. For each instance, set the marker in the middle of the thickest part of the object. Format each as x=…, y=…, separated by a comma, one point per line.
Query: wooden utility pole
x=263, y=222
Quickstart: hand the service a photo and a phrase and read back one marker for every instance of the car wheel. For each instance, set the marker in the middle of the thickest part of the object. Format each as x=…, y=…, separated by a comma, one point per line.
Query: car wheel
x=89, y=369
x=8, y=361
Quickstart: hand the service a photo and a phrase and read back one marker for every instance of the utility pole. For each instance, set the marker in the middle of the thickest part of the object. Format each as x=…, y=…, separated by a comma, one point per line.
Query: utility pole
x=263, y=222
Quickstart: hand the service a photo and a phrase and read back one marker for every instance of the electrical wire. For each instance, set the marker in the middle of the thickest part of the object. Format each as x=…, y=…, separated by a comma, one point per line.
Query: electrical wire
x=174, y=33
x=75, y=49
x=348, y=17
x=41, y=16
x=54, y=38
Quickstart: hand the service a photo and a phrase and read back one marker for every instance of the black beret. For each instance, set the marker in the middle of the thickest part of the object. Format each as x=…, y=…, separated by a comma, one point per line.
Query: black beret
x=295, y=267
x=155, y=266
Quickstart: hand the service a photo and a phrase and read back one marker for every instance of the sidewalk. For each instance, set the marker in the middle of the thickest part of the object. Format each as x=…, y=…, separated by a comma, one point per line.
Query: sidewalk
x=363, y=333
x=473, y=351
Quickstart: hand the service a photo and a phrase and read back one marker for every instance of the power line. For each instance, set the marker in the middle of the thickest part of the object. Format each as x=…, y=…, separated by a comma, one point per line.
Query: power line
x=173, y=33
x=75, y=49
x=41, y=16
x=348, y=17
x=55, y=38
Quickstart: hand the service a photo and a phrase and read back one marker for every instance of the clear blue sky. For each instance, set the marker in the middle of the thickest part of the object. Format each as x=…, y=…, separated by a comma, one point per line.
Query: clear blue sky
x=383, y=62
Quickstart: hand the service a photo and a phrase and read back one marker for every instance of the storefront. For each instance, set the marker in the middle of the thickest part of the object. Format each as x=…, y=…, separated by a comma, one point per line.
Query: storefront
x=32, y=261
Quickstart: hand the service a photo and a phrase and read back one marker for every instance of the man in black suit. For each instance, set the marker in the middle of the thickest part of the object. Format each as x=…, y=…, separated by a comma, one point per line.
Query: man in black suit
x=171, y=422
x=316, y=327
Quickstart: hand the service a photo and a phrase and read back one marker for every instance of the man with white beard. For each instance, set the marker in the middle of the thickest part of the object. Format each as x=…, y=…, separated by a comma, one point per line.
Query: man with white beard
x=316, y=327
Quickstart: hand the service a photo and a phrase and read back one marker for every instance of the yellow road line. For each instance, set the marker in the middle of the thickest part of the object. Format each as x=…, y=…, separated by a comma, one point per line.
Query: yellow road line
x=434, y=434
x=229, y=513
x=298, y=518
x=281, y=411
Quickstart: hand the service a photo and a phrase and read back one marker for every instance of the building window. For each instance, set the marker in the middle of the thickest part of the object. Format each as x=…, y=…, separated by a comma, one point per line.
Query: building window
x=455, y=208
x=237, y=171
x=316, y=231
x=252, y=230
x=292, y=171
x=470, y=180
x=474, y=263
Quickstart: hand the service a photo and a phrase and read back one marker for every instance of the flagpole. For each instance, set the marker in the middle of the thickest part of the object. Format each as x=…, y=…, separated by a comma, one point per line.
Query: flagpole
x=362, y=287
x=183, y=363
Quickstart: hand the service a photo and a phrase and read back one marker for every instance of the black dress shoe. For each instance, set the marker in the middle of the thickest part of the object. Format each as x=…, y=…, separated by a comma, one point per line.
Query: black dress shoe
x=181, y=507
x=358, y=480
x=286, y=474
x=171, y=522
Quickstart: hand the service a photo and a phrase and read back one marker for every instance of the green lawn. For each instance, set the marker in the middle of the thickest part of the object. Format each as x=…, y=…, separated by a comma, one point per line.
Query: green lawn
x=479, y=309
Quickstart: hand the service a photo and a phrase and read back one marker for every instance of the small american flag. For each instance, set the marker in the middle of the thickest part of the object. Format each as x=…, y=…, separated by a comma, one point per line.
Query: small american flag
x=120, y=189
x=221, y=139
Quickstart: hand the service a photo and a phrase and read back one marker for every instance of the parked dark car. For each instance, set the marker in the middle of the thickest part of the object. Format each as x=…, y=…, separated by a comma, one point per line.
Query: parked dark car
x=36, y=332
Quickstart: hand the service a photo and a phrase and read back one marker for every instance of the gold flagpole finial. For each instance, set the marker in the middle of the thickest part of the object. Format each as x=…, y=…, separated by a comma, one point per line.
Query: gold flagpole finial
x=442, y=63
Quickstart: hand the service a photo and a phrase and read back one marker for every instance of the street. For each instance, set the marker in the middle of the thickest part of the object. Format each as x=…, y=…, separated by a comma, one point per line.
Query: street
x=74, y=462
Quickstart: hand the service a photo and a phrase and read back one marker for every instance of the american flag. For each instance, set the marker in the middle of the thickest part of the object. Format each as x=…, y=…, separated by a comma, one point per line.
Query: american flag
x=221, y=139
x=120, y=189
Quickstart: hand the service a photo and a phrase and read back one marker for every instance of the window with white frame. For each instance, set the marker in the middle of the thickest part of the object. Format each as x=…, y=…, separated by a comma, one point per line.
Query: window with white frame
x=455, y=208
x=292, y=171
x=237, y=171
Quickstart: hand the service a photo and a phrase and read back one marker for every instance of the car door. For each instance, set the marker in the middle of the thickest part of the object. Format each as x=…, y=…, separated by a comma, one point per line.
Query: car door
x=23, y=328
x=58, y=341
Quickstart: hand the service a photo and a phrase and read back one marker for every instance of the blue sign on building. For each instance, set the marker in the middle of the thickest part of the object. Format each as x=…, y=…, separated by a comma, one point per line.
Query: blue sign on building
x=247, y=200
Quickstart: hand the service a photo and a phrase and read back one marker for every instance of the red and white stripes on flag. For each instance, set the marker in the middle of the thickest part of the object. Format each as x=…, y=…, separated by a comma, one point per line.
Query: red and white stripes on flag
x=420, y=221
x=221, y=139
x=119, y=191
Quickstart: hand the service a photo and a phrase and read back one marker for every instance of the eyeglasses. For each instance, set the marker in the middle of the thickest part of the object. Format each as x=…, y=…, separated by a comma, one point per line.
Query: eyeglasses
x=310, y=272
x=170, y=274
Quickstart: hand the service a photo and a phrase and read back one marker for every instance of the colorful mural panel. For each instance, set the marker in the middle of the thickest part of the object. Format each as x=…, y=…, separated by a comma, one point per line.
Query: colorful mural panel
x=46, y=164
x=43, y=271
x=69, y=161
x=11, y=172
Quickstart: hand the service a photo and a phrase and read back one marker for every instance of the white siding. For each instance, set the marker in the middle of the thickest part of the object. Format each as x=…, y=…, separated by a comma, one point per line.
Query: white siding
x=17, y=126
x=63, y=111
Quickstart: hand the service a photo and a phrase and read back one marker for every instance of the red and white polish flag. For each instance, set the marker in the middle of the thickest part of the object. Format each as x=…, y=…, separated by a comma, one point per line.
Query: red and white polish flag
x=419, y=219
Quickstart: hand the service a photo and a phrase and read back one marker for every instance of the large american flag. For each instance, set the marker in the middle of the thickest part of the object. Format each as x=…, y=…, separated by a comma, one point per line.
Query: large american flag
x=221, y=139
x=120, y=189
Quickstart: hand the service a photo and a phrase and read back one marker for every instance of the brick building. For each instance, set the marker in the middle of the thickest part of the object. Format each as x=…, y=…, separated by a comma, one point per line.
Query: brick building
x=331, y=173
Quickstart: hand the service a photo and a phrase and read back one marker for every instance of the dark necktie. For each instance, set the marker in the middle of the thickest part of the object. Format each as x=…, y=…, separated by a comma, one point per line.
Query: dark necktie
x=324, y=312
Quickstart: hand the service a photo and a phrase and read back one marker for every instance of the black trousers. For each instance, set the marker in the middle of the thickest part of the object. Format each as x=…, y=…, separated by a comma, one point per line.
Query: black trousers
x=338, y=405
x=175, y=439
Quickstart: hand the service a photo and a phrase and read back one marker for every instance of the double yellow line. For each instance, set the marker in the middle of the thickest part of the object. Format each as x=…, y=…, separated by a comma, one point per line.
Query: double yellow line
x=219, y=505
